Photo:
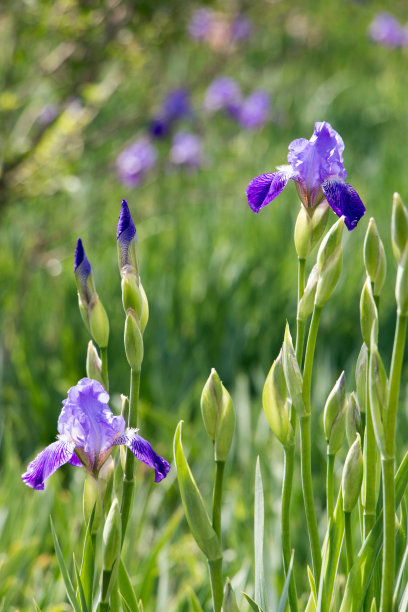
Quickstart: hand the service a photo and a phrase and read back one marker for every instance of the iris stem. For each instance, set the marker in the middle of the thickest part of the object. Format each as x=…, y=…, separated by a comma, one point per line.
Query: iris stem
x=105, y=375
x=387, y=464
x=330, y=485
x=215, y=567
x=370, y=464
x=349, y=540
x=128, y=476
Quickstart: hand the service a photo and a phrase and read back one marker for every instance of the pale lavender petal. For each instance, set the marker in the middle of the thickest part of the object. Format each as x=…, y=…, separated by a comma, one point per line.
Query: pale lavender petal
x=345, y=201
x=135, y=161
x=186, y=150
x=143, y=451
x=47, y=462
x=386, y=30
x=264, y=188
x=201, y=23
x=223, y=94
x=255, y=110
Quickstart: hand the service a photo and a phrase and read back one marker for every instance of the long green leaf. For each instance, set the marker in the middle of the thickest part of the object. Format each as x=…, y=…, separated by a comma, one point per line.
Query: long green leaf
x=195, y=604
x=64, y=572
x=400, y=577
x=404, y=601
x=36, y=606
x=80, y=587
x=321, y=597
x=284, y=596
x=88, y=562
x=126, y=588
x=259, y=537
x=252, y=603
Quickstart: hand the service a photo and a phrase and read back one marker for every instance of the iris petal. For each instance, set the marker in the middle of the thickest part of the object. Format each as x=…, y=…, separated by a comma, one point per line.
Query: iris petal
x=345, y=201
x=47, y=462
x=143, y=451
x=264, y=188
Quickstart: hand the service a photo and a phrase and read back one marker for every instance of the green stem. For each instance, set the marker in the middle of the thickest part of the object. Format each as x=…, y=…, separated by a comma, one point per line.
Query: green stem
x=306, y=472
x=370, y=464
x=330, y=485
x=128, y=476
x=387, y=462
x=349, y=540
x=217, y=497
x=215, y=568
x=104, y=602
x=310, y=350
x=285, y=521
x=105, y=375
x=300, y=325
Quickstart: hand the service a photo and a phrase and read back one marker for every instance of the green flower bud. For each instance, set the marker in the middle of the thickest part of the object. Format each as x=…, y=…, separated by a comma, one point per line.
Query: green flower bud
x=218, y=415
x=229, y=603
x=112, y=534
x=131, y=295
x=353, y=418
x=401, y=286
x=276, y=403
x=352, y=477
x=378, y=388
x=399, y=227
x=329, y=261
x=133, y=341
x=361, y=377
x=368, y=312
x=98, y=322
x=334, y=416
x=145, y=309
x=93, y=364
x=306, y=304
x=93, y=496
x=310, y=225
x=293, y=375
x=374, y=258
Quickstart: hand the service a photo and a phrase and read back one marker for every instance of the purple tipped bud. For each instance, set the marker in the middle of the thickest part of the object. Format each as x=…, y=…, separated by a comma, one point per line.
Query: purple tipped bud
x=83, y=275
x=127, y=239
x=81, y=264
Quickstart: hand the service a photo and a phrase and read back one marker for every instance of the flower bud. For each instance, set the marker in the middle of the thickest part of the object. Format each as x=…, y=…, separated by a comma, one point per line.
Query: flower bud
x=93, y=495
x=353, y=418
x=401, y=286
x=378, y=388
x=361, y=377
x=310, y=225
x=127, y=241
x=334, y=416
x=229, y=603
x=131, y=294
x=306, y=303
x=276, y=403
x=93, y=364
x=218, y=415
x=329, y=261
x=399, y=227
x=133, y=341
x=112, y=534
x=368, y=312
x=99, y=323
x=352, y=477
x=293, y=375
x=145, y=309
x=374, y=258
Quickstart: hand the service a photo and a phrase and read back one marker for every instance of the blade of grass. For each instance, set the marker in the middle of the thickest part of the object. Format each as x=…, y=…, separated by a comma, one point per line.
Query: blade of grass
x=80, y=587
x=284, y=596
x=259, y=537
x=64, y=572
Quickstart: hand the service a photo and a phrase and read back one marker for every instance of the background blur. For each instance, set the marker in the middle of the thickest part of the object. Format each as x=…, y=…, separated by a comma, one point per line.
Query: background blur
x=81, y=83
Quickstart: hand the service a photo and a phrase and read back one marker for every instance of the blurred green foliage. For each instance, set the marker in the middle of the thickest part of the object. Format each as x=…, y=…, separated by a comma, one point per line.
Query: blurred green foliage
x=220, y=280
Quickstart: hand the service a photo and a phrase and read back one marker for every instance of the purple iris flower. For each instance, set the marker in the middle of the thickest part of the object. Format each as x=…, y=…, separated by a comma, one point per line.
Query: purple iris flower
x=223, y=94
x=201, y=23
x=316, y=166
x=176, y=105
x=186, y=150
x=255, y=110
x=241, y=28
x=135, y=161
x=88, y=432
x=387, y=30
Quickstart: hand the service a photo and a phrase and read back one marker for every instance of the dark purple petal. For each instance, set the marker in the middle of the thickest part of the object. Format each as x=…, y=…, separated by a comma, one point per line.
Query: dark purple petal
x=126, y=227
x=47, y=462
x=176, y=104
x=143, y=451
x=75, y=461
x=345, y=201
x=264, y=188
x=81, y=263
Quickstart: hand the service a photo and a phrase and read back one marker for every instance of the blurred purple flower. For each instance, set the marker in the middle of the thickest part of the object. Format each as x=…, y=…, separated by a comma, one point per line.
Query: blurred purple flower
x=255, y=110
x=223, y=94
x=241, y=28
x=88, y=432
x=135, y=161
x=316, y=166
x=47, y=114
x=201, y=23
x=186, y=150
x=386, y=30
x=176, y=105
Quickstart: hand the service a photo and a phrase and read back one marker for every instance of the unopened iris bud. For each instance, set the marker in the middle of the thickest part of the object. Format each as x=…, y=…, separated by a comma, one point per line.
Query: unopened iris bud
x=378, y=388
x=368, y=312
x=352, y=477
x=310, y=225
x=361, y=377
x=127, y=241
x=131, y=294
x=94, y=364
x=112, y=536
x=276, y=403
x=90, y=306
x=374, y=257
x=218, y=415
x=401, y=286
x=293, y=375
x=329, y=261
x=133, y=341
x=306, y=304
x=93, y=496
x=334, y=416
x=399, y=227
x=353, y=418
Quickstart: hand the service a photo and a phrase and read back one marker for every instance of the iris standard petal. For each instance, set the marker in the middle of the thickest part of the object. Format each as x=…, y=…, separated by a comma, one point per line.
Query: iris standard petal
x=345, y=201
x=47, y=462
x=264, y=188
x=143, y=451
